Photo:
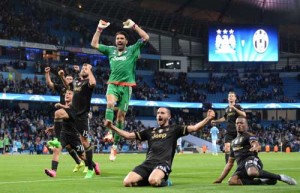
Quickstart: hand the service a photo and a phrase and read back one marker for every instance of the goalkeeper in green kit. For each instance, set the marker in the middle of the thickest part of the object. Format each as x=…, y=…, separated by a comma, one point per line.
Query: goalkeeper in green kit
x=122, y=61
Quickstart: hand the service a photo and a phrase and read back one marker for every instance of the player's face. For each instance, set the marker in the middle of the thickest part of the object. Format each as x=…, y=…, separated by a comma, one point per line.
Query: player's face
x=121, y=42
x=231, y=97
x=163, y=116
x=68, y=96
x=84, y=71
x=241, y=125
x=69, y=79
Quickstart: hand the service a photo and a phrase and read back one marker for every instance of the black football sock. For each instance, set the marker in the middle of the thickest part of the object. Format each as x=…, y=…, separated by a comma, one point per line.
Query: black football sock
x=89, y=157
x=163, y=183
x=265, y=174
x=54, y=165
x=141, y=183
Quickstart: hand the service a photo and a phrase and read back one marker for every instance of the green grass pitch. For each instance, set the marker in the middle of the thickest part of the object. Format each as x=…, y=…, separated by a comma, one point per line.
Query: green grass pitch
x=191, y=173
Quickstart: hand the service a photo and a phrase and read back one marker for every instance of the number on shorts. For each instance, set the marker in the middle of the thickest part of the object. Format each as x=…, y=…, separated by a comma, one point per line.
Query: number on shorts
x=85, y=134
x=79, y=148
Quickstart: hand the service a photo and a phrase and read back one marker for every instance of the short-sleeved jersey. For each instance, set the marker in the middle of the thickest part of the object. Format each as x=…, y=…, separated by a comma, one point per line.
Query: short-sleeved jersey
x=230, y=116
x=122, y=67
x=214, y=131
x=82, y=94
x=240, y=147
x=162, y=142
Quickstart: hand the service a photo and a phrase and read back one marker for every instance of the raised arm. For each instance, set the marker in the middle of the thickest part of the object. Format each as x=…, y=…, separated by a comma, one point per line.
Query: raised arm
x=92, y=80
x=49, y=83
x=76, y=71
x=131, y=25
x=210, y=115
x=61, y=75
x=101, y=26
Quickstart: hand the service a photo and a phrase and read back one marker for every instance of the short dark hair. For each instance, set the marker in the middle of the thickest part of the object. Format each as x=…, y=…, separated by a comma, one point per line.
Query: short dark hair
x=123, y=33
x=242, y=117
x=232, y=92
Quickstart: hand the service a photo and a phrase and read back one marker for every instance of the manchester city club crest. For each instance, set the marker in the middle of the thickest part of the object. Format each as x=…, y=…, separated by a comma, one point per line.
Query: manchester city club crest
x=225, y=41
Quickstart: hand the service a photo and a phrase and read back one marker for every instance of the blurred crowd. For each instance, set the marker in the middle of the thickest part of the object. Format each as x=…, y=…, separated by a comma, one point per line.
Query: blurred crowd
x=283, y=134
x=21, y=130
x=27, y=20
x=250, y=87
x=24, y=130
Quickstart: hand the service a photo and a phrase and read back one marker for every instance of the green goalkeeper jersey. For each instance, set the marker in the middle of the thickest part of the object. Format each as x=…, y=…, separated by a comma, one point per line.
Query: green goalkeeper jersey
x=122, y=67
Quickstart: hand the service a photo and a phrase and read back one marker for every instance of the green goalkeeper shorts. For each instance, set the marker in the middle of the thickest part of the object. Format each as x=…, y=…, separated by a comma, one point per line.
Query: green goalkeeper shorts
x=122, y=93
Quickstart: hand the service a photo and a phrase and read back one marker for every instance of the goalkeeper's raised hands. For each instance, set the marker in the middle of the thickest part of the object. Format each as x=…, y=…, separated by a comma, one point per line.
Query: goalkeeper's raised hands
x=102, y=25
x=129, y=24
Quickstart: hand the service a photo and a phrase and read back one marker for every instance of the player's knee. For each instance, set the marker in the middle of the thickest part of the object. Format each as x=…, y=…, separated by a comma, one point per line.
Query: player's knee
x=127, y=183
x=235, y=180
x=252, y=172
x=154, y=181
x=107, y=123
x=121, y=115
x=59, y=114
x=110, y=104
x=120, y=118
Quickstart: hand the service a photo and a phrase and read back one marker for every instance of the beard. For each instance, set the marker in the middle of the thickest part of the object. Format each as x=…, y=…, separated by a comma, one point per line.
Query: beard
x=84, y=76
x=121, y=49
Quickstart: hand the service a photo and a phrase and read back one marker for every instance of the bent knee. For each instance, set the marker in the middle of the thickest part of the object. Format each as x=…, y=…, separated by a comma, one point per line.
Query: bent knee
x=235, y=180
x=128, y=183
x=154, y=181
x=107, y=123
x=252, y=172
x=60, y=114
x=121, y=117
x=110, y=104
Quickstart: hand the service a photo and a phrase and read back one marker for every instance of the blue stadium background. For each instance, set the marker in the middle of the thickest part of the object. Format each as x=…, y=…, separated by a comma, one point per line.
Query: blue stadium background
x=37, y=34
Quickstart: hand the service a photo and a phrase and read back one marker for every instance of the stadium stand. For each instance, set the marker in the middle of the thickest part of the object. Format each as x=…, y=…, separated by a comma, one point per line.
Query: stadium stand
x=22, y=71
